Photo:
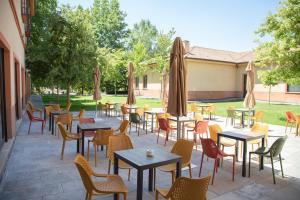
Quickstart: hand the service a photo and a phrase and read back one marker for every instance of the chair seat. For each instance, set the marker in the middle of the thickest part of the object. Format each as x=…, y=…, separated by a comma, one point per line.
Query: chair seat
x=258, y=141
x=190, y=125
x=74, y=136
x=261, y=151
x=170, y=167
x=228, y=142
x=37, y=119
x=124, y=165
x=162, y=191
x=112, y=184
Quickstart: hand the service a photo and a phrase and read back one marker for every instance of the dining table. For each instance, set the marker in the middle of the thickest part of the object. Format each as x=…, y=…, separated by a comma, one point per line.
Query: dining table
x=244, y=137
x=83, y=127
x=203, y=106
x=52, y=115
x=152, y=112
x=138, y=159
x=180, y=124
x=243, y=111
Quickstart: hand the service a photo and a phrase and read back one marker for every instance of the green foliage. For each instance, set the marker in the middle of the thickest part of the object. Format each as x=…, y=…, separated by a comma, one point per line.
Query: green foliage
x=268, y=77
x=280, y=41
x=109, y=24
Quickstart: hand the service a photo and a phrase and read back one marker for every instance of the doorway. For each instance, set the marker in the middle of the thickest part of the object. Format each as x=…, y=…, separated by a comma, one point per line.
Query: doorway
x=244, y=85
x=16, y=91
x=3, y=134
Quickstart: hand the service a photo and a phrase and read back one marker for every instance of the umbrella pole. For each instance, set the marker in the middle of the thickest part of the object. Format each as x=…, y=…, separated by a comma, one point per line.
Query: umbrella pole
x=178, y=128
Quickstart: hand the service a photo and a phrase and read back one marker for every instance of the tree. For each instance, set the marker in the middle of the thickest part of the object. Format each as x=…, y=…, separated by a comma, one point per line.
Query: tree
x=268, y=78
x=282, y=48
x=109, y=24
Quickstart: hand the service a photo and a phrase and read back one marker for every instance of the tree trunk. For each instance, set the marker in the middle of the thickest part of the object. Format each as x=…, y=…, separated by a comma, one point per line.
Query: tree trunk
x=57, y=94
x=52, y=90
x=115, y=88
x=68, y=92
x=82, y=90
x=270, y=94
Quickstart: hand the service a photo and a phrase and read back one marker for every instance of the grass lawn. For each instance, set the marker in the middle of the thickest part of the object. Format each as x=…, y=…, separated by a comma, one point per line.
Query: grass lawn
x=273, y=113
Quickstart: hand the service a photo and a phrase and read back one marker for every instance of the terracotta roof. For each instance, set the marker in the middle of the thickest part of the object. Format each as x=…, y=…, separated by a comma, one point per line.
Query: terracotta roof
x=219, y=55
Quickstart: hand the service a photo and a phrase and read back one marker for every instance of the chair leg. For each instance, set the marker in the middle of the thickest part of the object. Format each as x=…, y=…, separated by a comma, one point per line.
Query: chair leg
x=201, y=164
x=62, y=150
x=125, y=195
x=190, y=170
x=215, y=166
x=129, y=170
x=195, y=141
x=109, y=165
x=233, y=167
x=88, y=152
x=43, y=127
x=173, y=176
x=157, y=136
x=29, y=127
x=281, y=165
x=167, y=137
x=86, y=195
x=156, y=195
x=286, y=125
x=274, y=181
x=249, y=165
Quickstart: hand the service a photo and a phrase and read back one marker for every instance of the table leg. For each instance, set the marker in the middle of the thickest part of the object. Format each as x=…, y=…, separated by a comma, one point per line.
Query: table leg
x=244, y=158
x=45, y=114
x=261, y=157
x=178, y=129
x=82, y=143
x=78, y=140
x=139, y=192
x=243, y=125
x=152, y=122
x=144, y=115
x=178, y=169
x=116, y=171
x=52, y=124
x=150, y=181
x=50, y=121
x=202, y=110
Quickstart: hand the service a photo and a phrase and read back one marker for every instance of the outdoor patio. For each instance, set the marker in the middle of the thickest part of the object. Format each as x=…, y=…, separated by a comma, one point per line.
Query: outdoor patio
x=35, y=171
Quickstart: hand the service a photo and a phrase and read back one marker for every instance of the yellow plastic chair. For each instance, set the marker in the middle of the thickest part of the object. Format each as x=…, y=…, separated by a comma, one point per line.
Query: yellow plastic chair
x=210, y=111
x=80, y=115
x=198, y=117
x=68, y=106
x=101, y=138
x=258, y=117
x=110, y=185
x=186, y=189
x=65, y=119
x=67, y=136
x=183, y=148
x=34, y=109
x=56, y=107
x=123, y=128
x=260, y=128
x=48, y=109
x=117, y=143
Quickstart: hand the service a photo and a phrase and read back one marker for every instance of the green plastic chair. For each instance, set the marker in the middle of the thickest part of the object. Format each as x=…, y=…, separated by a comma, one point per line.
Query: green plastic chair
x=272, y=152
x=137, y=120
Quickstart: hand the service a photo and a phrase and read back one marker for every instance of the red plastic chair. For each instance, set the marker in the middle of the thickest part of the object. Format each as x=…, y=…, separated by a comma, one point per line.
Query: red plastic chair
x=290, y=119
x=200, y=128
x=163, y=124
x=211, y=150
x=35, y=119
x=88, y=120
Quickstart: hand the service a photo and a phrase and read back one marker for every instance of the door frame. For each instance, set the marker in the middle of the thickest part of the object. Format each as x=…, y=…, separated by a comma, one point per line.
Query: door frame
x=2, y=96
x=244, y=85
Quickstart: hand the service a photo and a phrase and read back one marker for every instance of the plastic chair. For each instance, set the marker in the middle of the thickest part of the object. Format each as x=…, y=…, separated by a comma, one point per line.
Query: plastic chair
x=260, y=128
x=297, y=124
x=272, y=152
x=224, y=142
x=258, y=117
x=117, y=143
x=34, y=109
x=186, y=189
x=199, y=129
x=211, y=150
x=124, y=111
x=111, y=185
x=48, y=109
x=117, y=109
x=290, y=119
x=67, y=136
x=122, y=130
x=136, y=119
x=88, y=120
x=80, y=115
x=68, y=106
x=34, y=119
x=164, y=125
x=101, y=138
x=210, y=111
x=183, y=148
x=232, y=115
x=198, y=117
x=102, y=107
x=65, y=119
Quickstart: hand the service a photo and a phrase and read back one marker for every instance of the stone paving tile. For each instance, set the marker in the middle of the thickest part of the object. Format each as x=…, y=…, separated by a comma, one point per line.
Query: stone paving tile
x=35, y=171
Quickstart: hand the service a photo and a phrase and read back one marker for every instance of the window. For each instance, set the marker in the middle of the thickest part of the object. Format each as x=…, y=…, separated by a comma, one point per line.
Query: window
x=293, y=88
x=145, y=81
x=137, y=82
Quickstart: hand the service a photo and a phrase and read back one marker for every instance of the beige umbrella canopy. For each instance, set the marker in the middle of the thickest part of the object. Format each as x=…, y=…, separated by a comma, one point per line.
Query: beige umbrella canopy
x=249, y=101
x=130, y=97
x=97, y=93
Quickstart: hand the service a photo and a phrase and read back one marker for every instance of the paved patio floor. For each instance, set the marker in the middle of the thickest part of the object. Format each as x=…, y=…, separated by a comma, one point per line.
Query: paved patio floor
x=35, y=171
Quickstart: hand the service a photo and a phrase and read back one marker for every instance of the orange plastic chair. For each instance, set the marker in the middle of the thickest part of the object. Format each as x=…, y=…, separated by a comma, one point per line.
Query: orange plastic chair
x=123, y=129
x=111, y=185
x=258, y=117
x=200, y=128
x=124, y=111
x=67, y=136
x=34, y=119
x=101, y=138
x=80, y=115
x=117, y=143
x=290, y=119
x=87, y=120
x=260, y=128
x=68, y=106
x=164, y=125
x=211, y=150
x=297, y=124
x=186, y=189
x=65, y=119
x=183, y=148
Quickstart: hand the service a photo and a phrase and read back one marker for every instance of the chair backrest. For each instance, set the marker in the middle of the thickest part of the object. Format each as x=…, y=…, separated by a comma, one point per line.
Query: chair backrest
x=163, y=124
x=48, y=109
x=117, y=143
x=117, y=106
x=277, y=146
x=100, y=106
x=146, y=107
x=140, y=111
x=30, y=105
x=30, y=115
x=86, y=120
x=56, y=107
x=260, y=128
x=189, y=189
x=201, y=127
x=290, y=116
x=230, y=112
x=134, y=117
x=62, y=130
x=198, y=117
x=68, y=106
x=65, y=118
x=213, y=131
x=209, y=147
x=124, y=127
x=81, y=113
x=85, y=172
x=210, y=108
x=194, y=107
x=101, y=137
x=259, y=115
x=124, y=110
x=183, y=148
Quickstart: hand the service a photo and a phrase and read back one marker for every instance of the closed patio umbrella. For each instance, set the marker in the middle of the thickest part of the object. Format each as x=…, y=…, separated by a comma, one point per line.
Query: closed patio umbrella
x=130, y=97
x=165, y=79
x=177, y=82
x=97, y=92
x=249, y=101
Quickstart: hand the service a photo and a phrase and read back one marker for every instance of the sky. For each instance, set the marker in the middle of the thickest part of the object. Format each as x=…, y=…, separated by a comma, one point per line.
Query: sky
x=218, y=24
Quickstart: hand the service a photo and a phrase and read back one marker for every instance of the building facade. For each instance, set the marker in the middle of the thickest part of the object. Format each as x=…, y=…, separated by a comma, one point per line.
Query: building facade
x=15, y=18
x=217, y=74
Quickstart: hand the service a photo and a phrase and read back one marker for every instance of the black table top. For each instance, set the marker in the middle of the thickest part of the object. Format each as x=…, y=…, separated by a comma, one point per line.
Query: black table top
x=137, y=157
x=182, y=119
x=242, y=136
x=93, y=126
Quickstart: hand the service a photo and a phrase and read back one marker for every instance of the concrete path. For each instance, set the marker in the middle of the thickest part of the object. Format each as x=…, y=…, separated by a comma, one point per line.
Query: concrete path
x=35, y=171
